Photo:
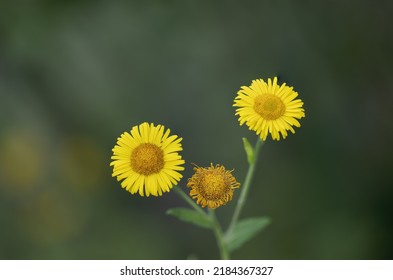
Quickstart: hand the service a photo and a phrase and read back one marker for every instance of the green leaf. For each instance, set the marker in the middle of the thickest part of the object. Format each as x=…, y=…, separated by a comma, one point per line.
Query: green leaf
x=249, y=150
x=244, y=231
x=191, y=216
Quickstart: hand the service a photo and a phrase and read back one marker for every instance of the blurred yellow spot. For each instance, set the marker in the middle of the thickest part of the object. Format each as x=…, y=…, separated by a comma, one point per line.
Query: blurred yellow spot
x=81, y=163
x=51, y=217
x=22, y=160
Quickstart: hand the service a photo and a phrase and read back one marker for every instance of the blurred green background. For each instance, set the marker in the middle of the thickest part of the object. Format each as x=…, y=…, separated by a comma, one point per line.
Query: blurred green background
x=74, y=75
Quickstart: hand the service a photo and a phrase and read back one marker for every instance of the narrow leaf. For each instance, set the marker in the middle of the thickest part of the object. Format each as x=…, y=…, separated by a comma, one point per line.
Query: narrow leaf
x=249, y=150
x=244, y=231
x=191, y=216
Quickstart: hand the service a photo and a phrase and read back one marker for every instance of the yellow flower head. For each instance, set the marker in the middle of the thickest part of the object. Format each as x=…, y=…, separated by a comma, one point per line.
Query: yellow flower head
x=212, y=186
x=269, y=108
x=147, y=160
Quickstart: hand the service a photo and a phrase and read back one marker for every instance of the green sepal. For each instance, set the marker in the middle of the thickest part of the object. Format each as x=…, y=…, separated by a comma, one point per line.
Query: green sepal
x=244, y=231
x=249, y=151
x=191, y=216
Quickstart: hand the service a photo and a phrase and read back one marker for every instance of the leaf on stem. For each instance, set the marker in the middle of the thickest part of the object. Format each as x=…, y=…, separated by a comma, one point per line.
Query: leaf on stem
x=249, y=150
x=191, y=216
x=244, y=230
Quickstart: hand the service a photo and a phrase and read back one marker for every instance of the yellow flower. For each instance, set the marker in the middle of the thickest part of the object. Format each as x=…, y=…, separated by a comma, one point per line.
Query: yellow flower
x=147, y=160
x=212, y=186
x=269, y=108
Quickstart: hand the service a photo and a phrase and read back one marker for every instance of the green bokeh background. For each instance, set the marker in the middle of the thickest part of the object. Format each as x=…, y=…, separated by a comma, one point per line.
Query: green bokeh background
x=74, y=75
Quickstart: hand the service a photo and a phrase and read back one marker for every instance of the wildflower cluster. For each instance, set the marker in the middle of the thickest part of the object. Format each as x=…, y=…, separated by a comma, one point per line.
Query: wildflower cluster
x=147, y=160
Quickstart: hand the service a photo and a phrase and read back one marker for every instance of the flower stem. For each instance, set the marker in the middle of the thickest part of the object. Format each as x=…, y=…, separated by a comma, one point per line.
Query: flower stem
x=216, y=226
x=219, y=236
x=188, y=199
x=246, y=186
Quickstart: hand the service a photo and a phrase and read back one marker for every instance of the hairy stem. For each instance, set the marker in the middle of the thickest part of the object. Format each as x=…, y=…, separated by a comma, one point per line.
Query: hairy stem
x=188, y=199
x=219, y=236
x=245, y=187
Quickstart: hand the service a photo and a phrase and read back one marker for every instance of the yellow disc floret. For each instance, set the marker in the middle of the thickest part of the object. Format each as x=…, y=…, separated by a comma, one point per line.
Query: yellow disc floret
x=212, y=186
x=147, y=159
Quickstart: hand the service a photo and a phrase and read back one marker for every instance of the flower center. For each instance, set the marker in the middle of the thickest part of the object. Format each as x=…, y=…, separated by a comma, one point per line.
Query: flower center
x=269, y=106
x=213, y=185
x=147, y=159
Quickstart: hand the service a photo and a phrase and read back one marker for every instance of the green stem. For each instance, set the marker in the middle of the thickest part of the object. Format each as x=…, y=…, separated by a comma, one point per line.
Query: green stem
x=219, y=236
x=188, y=199
x=216, y=226
x=246, y=186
